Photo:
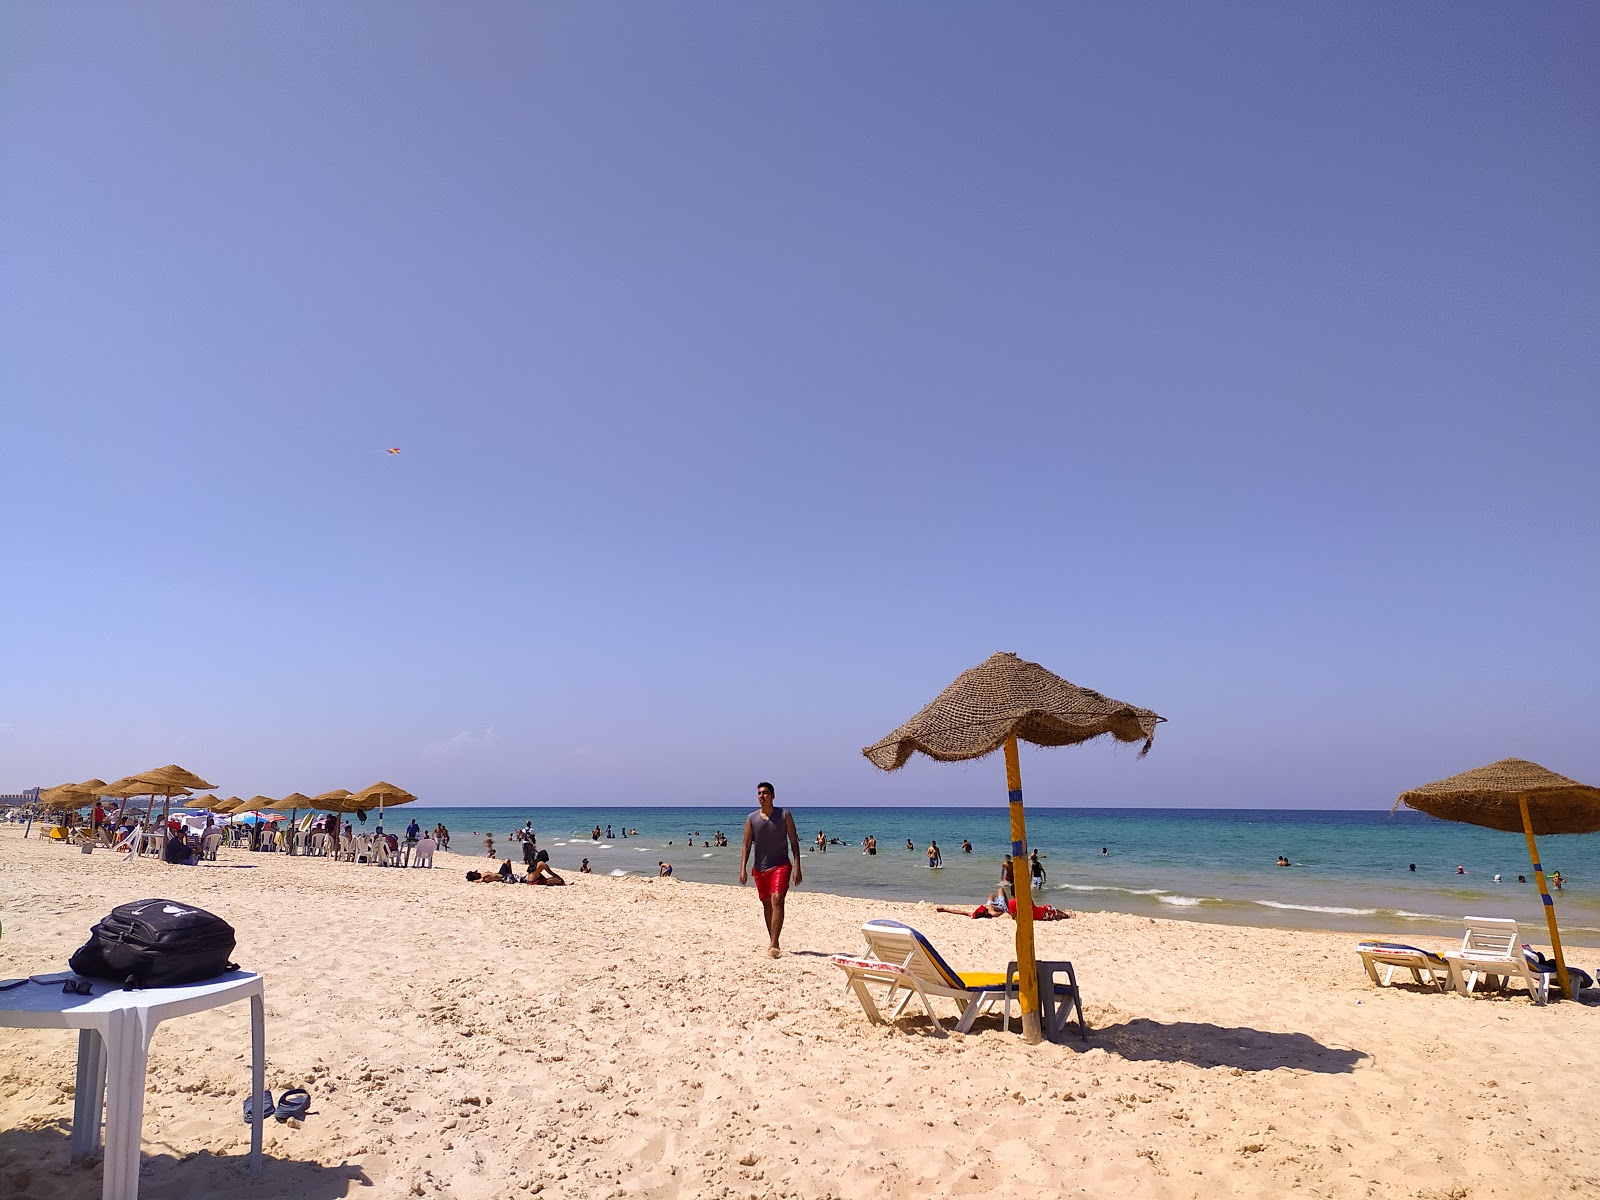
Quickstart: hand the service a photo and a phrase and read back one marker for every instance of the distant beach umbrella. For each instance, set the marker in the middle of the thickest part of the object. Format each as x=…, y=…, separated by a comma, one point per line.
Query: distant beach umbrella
x=229, y=806
x=378, y=795
x=166, y=782
x=69, y=795
x=990, y=707
x=1516, y=796
x=291, y=804
x=332, y=800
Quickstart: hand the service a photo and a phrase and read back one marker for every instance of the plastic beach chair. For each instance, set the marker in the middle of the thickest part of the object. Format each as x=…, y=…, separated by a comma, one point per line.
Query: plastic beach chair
x=1427, y=968
x=1545, y=968
x=906, y=962
x=1491, y=955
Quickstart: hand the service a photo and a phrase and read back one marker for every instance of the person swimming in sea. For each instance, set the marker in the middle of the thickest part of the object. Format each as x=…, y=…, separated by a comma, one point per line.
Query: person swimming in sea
x=1283, y=862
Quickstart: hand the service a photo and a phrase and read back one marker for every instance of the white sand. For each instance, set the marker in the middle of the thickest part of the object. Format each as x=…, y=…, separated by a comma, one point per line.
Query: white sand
x=627, y=1037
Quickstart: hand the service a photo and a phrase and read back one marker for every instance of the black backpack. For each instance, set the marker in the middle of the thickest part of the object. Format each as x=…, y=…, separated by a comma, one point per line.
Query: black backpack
x=156, y=943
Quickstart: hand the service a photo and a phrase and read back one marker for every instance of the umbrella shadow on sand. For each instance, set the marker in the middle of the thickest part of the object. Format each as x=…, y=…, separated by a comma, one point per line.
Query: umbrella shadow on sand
x=1205, y=1045
x=30, y=1157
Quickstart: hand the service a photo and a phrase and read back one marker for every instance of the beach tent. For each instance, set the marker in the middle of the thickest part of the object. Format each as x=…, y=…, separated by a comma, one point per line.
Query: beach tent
x=1516, y=796
x=990, y=707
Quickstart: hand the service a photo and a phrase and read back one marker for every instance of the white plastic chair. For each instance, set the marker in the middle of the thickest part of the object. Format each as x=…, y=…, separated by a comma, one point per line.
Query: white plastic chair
x=1490, y=954
x=423, y=857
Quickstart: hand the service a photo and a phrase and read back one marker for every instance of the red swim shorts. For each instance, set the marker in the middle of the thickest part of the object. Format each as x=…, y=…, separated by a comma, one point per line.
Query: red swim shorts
x=774, y=881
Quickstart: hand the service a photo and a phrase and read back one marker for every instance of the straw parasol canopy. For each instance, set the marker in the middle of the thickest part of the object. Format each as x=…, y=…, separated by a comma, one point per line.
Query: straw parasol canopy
x=231, y=805
x=172, y=780
x=333, y=800
x=291, y=802
x=993, y=705
x=1003, y=697
x=1487, y=796
x=69, y=795
x=205, y=803
x=1516, y=795
x=168, y=781
x=380, y=795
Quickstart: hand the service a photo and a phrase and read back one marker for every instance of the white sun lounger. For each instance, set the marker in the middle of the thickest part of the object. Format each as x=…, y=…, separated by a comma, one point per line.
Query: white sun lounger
x=901, y=958
x=1491, y=955
x=1427, y=968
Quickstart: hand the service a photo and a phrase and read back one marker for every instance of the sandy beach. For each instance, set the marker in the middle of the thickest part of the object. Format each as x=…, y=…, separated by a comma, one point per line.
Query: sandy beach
x=630, y=1037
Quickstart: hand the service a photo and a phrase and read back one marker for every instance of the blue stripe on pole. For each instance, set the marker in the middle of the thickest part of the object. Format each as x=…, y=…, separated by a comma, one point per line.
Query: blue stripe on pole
x=1016, y=849
x=1015, y=795
x=1550, y=902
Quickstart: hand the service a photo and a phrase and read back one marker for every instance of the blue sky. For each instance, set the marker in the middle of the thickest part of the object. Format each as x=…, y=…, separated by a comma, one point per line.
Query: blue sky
x=756, y=369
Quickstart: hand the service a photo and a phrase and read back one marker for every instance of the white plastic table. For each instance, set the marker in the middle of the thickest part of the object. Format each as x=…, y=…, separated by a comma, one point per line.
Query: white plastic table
x=114, y=1031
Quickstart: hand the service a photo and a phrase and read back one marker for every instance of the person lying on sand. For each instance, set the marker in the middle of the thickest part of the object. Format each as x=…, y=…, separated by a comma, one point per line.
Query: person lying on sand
x=997, y=905
x=989, y=908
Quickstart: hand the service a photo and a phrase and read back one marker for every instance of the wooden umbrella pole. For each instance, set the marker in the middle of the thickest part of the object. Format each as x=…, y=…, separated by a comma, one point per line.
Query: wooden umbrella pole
x=1544, y=894
x=1027, y=965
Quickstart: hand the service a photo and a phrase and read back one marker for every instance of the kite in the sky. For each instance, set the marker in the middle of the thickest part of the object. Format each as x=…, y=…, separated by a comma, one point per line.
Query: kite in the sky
x=392, y=450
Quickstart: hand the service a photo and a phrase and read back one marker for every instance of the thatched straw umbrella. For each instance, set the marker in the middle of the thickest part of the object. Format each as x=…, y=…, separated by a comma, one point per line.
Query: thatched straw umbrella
x=68, y=795
x=291, y=804
x=63, y=796
x=167, y=782
x=379, y=794
x=334, y=800
x=1519, y=797
x=990, y=707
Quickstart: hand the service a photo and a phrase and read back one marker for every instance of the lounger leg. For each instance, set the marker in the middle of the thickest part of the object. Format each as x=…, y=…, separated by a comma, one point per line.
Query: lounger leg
x=969, y=1014
x=907, y=995
x=938, y=1029
x=859, y=987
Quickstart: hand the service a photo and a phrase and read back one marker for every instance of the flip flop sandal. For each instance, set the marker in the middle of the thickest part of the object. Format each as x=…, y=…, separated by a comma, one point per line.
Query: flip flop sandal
x=294, y=1104
x=267, y=1108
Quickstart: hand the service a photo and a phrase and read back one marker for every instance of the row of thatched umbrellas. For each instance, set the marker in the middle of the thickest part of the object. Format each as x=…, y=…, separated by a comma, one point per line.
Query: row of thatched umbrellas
x=172, y=780
x=1006, y=699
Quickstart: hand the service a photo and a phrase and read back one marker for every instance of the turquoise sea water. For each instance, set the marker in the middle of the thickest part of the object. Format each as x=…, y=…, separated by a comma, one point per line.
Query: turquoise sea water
x=1350, y=868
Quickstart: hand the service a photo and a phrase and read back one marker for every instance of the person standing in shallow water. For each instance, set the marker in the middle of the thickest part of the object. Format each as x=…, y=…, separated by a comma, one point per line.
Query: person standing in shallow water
x=770, y=832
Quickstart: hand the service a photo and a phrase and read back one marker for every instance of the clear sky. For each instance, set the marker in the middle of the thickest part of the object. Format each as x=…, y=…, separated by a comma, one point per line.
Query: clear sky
x=758, y=368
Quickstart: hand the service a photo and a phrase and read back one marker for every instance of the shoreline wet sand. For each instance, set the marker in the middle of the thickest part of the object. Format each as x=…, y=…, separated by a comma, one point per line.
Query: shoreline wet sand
x=628, y=1037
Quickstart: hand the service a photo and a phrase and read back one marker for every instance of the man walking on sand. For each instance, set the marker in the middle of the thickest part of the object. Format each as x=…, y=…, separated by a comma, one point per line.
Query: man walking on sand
x=770, y=830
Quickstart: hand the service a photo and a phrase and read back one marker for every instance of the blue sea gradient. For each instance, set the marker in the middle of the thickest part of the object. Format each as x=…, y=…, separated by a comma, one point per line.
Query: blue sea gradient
x=1350, y=868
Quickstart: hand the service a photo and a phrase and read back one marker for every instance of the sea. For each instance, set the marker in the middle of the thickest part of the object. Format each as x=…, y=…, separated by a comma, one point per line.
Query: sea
x=1351, y=870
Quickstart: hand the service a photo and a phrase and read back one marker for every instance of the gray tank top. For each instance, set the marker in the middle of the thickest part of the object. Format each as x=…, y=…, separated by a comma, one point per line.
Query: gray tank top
x=771, y=839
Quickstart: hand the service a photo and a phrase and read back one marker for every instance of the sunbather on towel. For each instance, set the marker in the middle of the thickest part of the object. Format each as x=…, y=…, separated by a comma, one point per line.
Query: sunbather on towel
x=1041, y=912
x=994, y=906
